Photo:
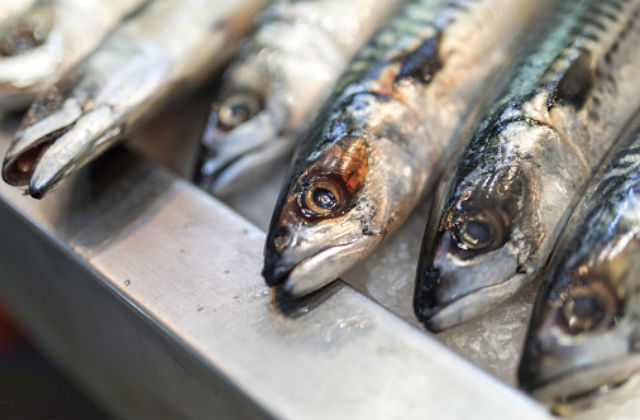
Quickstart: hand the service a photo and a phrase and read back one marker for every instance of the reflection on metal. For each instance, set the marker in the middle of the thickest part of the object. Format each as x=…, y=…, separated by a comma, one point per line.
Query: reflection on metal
x=148, y=291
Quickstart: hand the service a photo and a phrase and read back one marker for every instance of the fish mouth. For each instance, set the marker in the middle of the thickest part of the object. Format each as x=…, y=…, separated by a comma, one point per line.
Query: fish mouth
x=439, y=316
x=311, y=273
x=47, y=151
x=223, y=175
x=210, y=174
x=235, y=160
x=572, y=388
x=21, y=162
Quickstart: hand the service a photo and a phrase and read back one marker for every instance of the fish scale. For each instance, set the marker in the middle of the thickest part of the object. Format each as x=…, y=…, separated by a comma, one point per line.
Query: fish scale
x=568, y=354
x=386, y=132
x=573, y=90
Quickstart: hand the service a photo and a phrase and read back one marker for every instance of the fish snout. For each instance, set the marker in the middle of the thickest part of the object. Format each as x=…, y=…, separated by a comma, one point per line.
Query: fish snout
x=426, y=301
x=276, y=268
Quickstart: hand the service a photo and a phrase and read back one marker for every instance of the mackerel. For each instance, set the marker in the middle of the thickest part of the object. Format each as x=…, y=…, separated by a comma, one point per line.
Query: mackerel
x=386, y=133
x=584, y=335
x=502, y=208
x=163, y=52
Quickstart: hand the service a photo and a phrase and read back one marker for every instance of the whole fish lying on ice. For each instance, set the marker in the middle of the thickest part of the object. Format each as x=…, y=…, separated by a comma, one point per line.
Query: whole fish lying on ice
x=166, y=50
x=501, y=210
x=585, y=330
x=382, y=140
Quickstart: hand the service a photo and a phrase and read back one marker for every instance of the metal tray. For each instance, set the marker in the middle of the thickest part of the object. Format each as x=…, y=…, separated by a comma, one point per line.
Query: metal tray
x=147, y=290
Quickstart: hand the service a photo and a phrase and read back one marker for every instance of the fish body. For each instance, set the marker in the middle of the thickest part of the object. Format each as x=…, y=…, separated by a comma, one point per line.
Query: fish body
x=500, y=211
x=38, y=45
x=166, y=50
x=277, y=83
x=382, y=140
x=585, y=330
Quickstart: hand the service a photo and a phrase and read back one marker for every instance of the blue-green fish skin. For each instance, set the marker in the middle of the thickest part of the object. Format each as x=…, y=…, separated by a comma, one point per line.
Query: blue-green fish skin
x=502, y=208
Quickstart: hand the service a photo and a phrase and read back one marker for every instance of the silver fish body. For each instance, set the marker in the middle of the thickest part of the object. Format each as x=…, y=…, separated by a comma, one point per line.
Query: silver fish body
x=501, y=210
x=38, y=45
x=165, y=50
x=382, y=140
x=585, y=331
x=277, y=83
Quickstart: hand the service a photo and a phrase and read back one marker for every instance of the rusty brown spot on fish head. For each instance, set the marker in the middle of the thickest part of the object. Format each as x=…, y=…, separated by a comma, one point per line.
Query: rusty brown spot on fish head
x=328, y=188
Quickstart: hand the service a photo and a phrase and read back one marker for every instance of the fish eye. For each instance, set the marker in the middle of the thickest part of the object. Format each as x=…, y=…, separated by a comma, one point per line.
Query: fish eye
x=322, y=197
x=237, y=109
x=588, y=309
x=480, y=230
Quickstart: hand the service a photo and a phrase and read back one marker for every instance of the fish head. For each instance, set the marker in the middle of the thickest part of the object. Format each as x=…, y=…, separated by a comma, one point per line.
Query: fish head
x=325, y=221
x=241, y=137
x=479, y=249
x=584, y=337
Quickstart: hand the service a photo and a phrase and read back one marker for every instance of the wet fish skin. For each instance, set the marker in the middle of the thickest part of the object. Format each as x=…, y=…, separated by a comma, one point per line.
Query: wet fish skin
x=501, y=210
x=277, y=83
x=164, y=51
x=382, y=139
x=41, y=43
x=585, y=330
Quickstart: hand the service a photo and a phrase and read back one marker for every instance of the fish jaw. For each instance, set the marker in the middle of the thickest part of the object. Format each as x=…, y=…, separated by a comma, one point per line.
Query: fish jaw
x=304, y=257
x=451, y=291
x=36, y=134
x=583, y=337
x=315, y=271
x=48, y=151
x=232, y=159
x=562, y=370
x=90, y=136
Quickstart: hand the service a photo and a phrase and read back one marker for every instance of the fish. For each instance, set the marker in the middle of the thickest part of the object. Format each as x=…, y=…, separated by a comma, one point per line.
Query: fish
x=500, y=209
x=9, y=8
x=165, y=51
x=385, y=134
x=38, y=45
x=584, y=334
x=277, y=84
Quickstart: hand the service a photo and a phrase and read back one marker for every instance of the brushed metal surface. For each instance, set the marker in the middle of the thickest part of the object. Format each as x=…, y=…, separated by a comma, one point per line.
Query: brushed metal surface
x=148, y=291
